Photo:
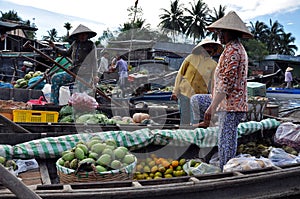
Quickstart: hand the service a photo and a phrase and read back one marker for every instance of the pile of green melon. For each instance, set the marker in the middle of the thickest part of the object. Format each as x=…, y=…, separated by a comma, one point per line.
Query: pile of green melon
x=96, y=155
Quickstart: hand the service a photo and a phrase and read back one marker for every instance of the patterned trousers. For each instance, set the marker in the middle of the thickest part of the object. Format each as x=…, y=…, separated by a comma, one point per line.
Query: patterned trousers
x=227, y=137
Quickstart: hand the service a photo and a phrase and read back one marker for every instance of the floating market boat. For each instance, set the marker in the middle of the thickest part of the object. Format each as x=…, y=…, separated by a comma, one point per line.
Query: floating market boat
x=269, y=182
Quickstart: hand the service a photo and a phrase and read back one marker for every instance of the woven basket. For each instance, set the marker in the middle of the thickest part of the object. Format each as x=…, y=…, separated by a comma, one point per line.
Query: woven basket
x=67, y=175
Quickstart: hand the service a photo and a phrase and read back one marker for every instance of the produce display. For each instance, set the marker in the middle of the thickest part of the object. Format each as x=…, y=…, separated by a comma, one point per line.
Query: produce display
x=23, y=82
x=96, y=155
x=155, y=167
x=68, y=115
x=8, y=163
x=261, y=149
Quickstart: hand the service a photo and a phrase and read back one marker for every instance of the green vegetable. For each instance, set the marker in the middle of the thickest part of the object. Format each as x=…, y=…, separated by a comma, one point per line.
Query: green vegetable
x=66, y=110
x=67, y=119
x=83, y=118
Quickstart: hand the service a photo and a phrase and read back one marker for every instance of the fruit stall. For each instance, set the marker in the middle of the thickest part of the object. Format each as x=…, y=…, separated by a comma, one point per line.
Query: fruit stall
x=160, y=162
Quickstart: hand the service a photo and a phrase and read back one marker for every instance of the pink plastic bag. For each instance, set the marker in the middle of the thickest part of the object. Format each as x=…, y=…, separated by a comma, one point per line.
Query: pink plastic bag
x=37, y=101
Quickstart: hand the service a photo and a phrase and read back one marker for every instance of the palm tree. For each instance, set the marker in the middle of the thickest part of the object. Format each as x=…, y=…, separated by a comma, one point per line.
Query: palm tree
x=286, y=48
x=259, y=31
x=216, y=15
x=196, y=20
x=173, y=20
x=274, y=33
x=68, y=26
x=52, y=35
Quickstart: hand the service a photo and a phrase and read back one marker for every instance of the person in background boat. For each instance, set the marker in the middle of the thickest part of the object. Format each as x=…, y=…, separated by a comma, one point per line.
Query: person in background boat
x=194, y=76
x=103, y=66
x=84, y=58
x=229, y=97
x=288, y=78
x=122, y=67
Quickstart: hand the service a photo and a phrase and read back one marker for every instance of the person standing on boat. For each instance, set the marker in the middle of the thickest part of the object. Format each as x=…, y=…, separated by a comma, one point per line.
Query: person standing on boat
x=229, y=98
x=288, y=78
x=103, y=66
x=84, y=58
x=194, y=76
x=122, y=67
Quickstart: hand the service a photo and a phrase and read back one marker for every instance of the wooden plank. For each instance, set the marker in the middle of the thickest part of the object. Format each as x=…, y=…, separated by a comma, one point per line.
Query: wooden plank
x=45, y=177
x=15, y=185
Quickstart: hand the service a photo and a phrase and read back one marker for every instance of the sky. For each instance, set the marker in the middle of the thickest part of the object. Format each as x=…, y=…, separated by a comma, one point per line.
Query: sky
x=100, y=15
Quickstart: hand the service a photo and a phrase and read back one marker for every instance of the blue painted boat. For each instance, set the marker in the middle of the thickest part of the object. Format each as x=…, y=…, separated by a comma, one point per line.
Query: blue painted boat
x=283, y=90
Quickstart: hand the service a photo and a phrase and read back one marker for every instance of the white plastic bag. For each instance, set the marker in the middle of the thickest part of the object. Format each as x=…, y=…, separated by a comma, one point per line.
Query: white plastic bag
x=47, y=92
x=64, y=95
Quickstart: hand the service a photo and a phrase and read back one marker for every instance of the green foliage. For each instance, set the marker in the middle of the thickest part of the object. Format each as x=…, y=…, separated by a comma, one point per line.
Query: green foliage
x=256, y=50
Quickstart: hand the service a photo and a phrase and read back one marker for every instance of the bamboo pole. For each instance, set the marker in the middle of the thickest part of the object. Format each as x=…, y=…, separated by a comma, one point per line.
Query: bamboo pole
x=15, y=185
x=27, y=44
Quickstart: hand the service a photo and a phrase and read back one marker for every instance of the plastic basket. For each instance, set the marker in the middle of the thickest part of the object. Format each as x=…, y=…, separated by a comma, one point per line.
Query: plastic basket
x=67, y=175
x=8, y=113
x=35, y=116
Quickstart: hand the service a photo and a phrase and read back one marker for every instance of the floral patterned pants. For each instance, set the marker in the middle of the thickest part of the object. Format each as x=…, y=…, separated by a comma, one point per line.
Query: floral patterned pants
x=227, y=138
x=227, y=122
x=199, y=104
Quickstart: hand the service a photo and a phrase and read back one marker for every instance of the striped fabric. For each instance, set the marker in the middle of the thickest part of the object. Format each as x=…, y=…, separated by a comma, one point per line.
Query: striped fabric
x=52, y=147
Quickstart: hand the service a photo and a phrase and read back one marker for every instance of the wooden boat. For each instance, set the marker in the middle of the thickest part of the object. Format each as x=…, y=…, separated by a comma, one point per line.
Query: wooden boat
x=272, y=182
x=265, y=79
x=283, y=90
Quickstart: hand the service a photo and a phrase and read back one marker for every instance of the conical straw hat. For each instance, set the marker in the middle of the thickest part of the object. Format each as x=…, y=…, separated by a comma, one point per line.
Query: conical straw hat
x=219, y=48
x=231, y=21
x=82, y=29
x=289, y=69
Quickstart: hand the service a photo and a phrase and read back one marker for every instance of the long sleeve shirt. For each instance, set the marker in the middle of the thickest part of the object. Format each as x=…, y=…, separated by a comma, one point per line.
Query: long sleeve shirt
x=103, y=66
x=288, y=76
x=231, y=78
x=195, y=75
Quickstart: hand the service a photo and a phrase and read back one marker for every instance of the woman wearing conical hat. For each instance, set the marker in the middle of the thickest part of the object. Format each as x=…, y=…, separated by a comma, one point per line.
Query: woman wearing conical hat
x=229, y=98
x=84, y=61
x=194, y=76
x=288, y=78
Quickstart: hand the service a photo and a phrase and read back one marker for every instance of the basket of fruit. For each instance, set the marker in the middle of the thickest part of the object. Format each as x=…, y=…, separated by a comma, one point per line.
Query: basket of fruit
x=96, y=161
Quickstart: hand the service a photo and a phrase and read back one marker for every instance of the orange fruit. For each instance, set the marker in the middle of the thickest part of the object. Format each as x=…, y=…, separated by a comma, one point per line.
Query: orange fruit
x=175, y=163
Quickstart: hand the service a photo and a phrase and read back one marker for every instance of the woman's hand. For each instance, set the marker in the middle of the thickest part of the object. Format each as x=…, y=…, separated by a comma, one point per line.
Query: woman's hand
x=174, y=97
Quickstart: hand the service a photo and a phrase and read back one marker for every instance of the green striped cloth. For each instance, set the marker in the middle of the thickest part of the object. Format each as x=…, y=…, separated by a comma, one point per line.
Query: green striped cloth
x=6, y=151
x=52, y=147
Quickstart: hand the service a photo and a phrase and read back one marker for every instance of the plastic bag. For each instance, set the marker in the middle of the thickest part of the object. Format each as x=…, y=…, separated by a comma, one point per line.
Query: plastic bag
x=197, y=167
x=246, y=162
x=47, y=92
x=288, y=134
x=83, y=102
x=279, y=157
x=37, y=101
x=25, y=165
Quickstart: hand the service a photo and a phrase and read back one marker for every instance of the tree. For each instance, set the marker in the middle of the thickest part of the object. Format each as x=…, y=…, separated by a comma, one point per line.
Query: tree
x=285, y=47
x=274, y=32
x=196, y=20
x=68, y=26
x=259, y=31
x=173, y=21
x=10, y=15
x=52, y=35
x=216, y=15
x=256, y=49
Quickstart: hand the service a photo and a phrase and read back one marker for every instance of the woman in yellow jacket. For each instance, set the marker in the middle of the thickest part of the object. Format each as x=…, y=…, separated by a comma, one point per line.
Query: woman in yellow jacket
x=195, y=76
